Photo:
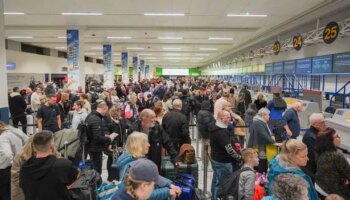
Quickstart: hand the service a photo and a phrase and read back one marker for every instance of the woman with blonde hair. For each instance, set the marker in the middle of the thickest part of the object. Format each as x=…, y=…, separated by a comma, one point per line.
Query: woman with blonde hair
x=292, y=157
x=25, y=153
x=137, y=147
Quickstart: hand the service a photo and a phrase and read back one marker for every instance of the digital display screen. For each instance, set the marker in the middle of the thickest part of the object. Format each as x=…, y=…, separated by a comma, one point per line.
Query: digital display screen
x=303, y=66
x=322, y=64
x=278, y=68
x=342, y=63
x=289, y=67
x=269, y=68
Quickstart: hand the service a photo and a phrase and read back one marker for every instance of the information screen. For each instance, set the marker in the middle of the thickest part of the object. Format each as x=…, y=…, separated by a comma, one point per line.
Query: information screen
x=342, y=63
x=171, y=72
x=289, y=67
x=322, y=64
x=278, y=68
x=269, y=68
x=303, y=66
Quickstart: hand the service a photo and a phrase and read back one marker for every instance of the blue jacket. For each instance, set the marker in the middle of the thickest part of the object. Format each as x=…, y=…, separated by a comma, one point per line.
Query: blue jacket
x=158, y=194
x=277, y=167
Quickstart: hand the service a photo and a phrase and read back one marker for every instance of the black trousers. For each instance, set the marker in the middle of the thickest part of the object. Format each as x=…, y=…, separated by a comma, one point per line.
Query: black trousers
x=5, y=184
x=23, y=120
x=113, y=171
x=96, y=159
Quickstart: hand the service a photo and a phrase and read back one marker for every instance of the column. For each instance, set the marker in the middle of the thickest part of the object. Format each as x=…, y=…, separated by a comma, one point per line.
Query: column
x=142, y=70
x=4, y=110
x=135, y=63
x=75, y=59
x=108, y=78
x=125, y=68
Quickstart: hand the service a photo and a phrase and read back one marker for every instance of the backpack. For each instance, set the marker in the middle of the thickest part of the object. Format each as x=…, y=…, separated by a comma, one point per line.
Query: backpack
x=84, y=187
x=186, y=109
x=229, y=188
x=84, y=132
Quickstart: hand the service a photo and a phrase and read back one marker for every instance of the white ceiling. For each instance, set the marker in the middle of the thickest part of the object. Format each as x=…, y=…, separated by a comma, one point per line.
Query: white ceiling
x=203, y=19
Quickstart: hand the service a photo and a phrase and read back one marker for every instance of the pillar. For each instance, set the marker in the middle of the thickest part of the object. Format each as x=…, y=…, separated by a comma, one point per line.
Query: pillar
x=4, y=110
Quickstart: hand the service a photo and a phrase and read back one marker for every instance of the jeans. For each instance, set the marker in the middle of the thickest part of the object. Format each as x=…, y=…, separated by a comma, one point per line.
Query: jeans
x=5, y=184
x=221, y=172
x=96, y=159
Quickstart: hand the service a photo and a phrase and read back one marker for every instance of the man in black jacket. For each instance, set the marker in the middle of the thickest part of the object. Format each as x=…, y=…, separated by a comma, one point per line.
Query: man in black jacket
x=175, y=124
x=317, y=123
x=17, y=107
x=44, y=176
x=157, y=137
x=99, y=134
x=205, y=122
x=223, y=153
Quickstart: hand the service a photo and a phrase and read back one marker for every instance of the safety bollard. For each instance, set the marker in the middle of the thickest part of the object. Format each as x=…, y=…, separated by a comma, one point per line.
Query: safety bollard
x=197, y=145
x=205, y=173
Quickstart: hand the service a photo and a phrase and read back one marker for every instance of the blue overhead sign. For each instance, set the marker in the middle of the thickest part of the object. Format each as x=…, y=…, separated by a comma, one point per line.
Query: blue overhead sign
x=322, y=64
x=341, y=63
x=289, y=67
x=269, y=68
x=278, y=68
x=303, y=66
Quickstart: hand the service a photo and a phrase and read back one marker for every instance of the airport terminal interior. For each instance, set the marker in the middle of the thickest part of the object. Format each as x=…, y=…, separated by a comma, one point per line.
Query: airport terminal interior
x=193, y=53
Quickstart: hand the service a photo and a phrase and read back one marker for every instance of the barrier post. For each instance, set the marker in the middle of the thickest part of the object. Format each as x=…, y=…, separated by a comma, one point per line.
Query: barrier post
x=205, y=173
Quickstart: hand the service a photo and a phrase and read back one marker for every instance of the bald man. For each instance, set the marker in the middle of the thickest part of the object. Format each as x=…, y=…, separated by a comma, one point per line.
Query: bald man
x=157, y=137
x=317, y=124
x=175, y=124
x=291, y=122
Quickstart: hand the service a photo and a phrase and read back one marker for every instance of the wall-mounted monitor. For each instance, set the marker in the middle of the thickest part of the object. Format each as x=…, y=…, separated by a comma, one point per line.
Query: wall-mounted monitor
x=322, y=64
x=269, y=68
x=341, y=63
x=289, y=67
x=278, y=68
x=303, y=66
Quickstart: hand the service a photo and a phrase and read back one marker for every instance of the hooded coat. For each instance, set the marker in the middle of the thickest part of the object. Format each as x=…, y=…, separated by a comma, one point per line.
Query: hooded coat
x=17, y=105
x=205, y=120
x=47, y=178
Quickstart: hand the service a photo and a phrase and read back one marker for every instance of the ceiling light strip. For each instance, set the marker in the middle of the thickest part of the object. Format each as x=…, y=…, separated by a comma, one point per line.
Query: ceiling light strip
x=20, y=37
x=81, y=14
x=165, y=14
x=245, y=15
x=14, y=13
x=219, y=38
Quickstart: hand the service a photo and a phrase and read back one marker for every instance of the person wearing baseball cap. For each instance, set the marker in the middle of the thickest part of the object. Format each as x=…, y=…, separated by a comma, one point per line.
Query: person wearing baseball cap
x=142, y=176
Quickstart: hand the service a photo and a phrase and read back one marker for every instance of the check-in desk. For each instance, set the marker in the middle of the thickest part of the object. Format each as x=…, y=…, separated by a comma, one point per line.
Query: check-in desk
x=309, y=107
x=341, y=123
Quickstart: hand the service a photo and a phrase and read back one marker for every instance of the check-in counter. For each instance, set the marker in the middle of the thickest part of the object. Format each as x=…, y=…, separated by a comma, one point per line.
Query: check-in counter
x=341, y=123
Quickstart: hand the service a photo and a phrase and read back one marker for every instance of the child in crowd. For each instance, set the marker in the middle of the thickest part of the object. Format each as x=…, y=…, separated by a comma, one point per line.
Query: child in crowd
x=247, y=178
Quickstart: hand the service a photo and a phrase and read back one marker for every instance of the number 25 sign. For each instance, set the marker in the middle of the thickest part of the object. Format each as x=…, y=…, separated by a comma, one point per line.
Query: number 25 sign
x=330, y=32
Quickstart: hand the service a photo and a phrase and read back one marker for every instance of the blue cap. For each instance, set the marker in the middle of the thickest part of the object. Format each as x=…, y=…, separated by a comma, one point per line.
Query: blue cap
x=146, y=170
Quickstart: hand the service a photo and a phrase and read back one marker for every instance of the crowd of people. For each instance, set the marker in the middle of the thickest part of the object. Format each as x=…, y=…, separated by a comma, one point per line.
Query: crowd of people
x=143, y=121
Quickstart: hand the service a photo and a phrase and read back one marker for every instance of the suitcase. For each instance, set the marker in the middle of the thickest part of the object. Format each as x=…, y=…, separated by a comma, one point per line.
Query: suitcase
x=189, y=169
x=188, y=186
x=167, y=168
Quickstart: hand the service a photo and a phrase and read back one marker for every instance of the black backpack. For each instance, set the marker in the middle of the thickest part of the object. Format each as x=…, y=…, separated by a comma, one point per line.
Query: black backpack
x=229, y=188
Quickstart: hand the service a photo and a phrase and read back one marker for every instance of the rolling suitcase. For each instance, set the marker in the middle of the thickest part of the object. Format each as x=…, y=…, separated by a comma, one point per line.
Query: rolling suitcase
x=167, y=168
x=188, y=186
